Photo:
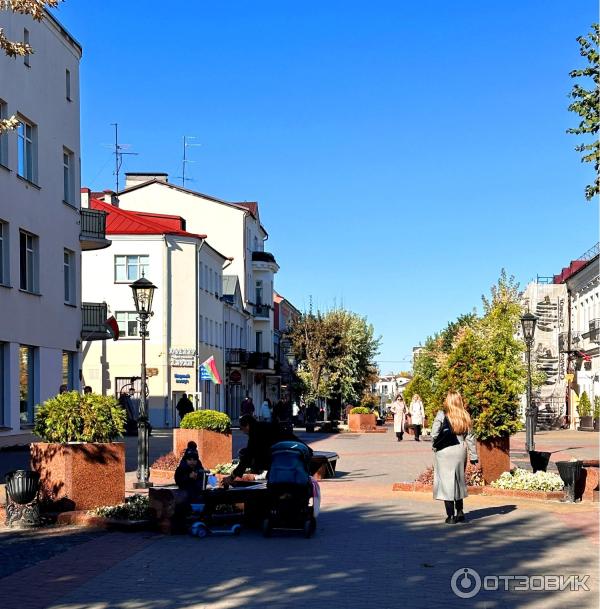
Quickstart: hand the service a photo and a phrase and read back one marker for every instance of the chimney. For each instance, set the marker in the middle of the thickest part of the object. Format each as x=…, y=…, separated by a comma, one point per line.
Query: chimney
x=85, y=197
x=135, y=179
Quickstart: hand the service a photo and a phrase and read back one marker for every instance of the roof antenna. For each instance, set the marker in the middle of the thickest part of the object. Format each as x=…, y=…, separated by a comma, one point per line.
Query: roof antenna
x=185, y=160
x=119, y=148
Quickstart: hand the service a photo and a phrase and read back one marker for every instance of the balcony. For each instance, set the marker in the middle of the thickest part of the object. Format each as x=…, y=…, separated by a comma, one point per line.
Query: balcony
x=93, y=318
x=264, y=261
x=92, y=235
x=259, y=361
x=236, y=357
x=576, y=339
x=262, y=311
x=563, y=342
x=593, y=334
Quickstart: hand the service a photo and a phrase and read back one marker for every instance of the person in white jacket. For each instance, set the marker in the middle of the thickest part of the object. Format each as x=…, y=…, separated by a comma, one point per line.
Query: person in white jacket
x=264, y=414
x=417, y=413
x=399, y=410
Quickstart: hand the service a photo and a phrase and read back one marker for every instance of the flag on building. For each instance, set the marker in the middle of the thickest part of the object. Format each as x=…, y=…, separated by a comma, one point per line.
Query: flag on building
x=113, y=327
x=209, y=371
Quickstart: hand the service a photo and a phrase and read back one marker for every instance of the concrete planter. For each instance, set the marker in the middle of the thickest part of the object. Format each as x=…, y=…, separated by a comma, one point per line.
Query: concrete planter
x=494, y=457
x=162, y=477
x=213, y=447
x=417, y=487
x=586, y=423
x=362, y=422
x=80, y=476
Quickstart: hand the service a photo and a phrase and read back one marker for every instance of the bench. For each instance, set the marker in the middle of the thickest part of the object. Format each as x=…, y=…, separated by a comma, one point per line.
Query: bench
x=324, y=426
x=323, y=464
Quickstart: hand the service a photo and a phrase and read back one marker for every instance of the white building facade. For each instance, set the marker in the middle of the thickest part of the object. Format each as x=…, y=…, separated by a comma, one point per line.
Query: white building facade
x=42, y=231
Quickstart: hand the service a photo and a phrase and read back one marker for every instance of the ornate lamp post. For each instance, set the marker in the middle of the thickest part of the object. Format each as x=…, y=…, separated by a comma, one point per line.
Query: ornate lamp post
x=528, y=322
x=143, y=292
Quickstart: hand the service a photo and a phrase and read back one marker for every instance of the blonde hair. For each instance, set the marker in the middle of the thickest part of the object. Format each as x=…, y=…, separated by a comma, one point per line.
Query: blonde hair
x=454, y=409
x=416, y=397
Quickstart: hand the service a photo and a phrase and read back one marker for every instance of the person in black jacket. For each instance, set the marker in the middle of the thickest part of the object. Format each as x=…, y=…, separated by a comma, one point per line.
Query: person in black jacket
x=184, y=406
x=189, y=475
x=257, y=454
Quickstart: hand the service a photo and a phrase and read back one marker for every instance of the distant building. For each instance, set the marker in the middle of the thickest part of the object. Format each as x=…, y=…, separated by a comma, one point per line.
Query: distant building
x=390, y=385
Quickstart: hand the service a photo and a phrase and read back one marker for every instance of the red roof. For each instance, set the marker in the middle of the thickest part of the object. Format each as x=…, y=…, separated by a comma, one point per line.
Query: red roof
x=126, y=222
x=569, y=271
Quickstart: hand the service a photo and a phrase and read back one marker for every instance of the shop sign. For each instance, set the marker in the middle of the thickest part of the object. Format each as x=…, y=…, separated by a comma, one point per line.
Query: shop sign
x=182, y=379
x=235, y=376
x=182, y=357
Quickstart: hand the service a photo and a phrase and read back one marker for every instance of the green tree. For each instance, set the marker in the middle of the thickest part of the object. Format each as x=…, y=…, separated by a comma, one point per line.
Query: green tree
x=586, y=103
x=584, y=407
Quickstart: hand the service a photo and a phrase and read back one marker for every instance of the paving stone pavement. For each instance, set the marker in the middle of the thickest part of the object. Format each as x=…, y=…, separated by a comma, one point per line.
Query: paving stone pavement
x=373, y=548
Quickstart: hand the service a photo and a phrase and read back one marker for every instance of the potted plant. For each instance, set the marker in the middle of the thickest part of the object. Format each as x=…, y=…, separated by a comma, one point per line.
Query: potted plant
x=361, y=418
x=81, y=466
x=211, y=431
x=597, y=413
x=584, y=410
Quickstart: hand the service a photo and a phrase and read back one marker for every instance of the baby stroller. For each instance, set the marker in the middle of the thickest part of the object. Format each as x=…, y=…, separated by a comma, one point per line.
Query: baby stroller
x=290, y=490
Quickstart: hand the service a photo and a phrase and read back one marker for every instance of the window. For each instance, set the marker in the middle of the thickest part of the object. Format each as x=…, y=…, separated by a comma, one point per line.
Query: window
x=225, y=338
x=69, y=275
x=27, y=371
x=68, y=369
x=207, y=385
x=68, y=84
x=29, y=261
x=3, y=136
x=201, y=276
x=4, y=267
x=217, y=397
x=259, y=292
x=201, y=328
x=128, y=324
x=68, y=176
x=259, y=342
x=210, y=332
x=27, y=152
x=130, y=268
x=255, y=243
x=26, y=41
x=3, y=374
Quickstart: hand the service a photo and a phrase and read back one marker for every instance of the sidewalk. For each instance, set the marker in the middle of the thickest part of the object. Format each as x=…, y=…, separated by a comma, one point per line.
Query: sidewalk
x=373, y=547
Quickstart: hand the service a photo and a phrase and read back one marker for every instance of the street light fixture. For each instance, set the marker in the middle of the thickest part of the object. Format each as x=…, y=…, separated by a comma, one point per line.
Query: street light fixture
x=528, y=322
x=143, y=292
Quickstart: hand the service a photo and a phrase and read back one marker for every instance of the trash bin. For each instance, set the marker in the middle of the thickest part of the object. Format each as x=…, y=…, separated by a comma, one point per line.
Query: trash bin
x=570, y=472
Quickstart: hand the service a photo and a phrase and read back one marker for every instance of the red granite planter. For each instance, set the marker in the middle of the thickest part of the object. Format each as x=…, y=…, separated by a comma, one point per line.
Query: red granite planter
x=494, y=457
x=417, y=487
x=213, y=447
x=80, y=476
x=162, y=477
x=362, y=422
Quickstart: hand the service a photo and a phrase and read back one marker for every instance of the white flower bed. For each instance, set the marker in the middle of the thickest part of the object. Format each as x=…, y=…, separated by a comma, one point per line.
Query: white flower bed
x=524, y=480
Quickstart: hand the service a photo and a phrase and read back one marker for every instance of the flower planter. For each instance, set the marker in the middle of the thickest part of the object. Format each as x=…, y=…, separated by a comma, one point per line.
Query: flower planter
x=596, y=424
x=162, y=477
x=417, y=487
x=494, y=457
x=78, y=475
x=586, y=423
x=214, y=447
x=362, y=422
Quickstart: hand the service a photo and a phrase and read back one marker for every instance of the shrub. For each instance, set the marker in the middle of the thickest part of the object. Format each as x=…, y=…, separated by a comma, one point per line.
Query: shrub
x=136, y=507
x=473, y=476
x=72, y=417
x=168, y=462
x=224, y=468
x=370, y=401
x=524, y=480
x=597, y=407
x=206, y=419
x=426, y=477
x=584, y=407
x=360, y=410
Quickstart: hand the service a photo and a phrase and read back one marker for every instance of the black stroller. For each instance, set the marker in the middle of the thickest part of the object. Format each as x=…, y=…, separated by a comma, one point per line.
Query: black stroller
x=290, y=490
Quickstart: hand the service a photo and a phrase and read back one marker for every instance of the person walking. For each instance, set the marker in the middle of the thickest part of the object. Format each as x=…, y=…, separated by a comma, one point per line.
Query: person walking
x=417, y=413
x=452, y=439
x=247, y=406
x=264, y=413
x=399, y=410
x=184, y=406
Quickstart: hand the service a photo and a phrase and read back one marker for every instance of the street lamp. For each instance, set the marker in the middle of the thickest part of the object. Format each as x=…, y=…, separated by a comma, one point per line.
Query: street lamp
x=143, y=292
x=528, y=322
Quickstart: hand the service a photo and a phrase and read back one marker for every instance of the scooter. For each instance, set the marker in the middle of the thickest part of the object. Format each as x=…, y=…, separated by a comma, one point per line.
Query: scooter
x=201, y=529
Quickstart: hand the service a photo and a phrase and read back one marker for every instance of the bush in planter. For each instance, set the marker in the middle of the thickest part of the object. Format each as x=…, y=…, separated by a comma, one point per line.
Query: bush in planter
x=73, y=417
x=473, y=476
x=361, y=410
x=524, y=480
x=597, y=407
x=136, y=507
x=168, y=462
x=207, y=419
x=370, y=401
x=584, y=407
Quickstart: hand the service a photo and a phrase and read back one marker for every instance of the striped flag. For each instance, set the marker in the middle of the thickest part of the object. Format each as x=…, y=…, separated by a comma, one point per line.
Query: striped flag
x=209, y=371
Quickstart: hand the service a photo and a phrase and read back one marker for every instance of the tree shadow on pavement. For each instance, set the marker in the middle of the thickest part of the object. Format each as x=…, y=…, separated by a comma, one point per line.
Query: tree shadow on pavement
x=384, y=555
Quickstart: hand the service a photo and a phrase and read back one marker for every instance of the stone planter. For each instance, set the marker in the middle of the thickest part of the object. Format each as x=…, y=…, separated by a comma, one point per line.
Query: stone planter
x=162, y=477
x=213, y=447
x=596, y=425
x=494, y=457
x=362, y=422
x=79, y=475
x=586, y=423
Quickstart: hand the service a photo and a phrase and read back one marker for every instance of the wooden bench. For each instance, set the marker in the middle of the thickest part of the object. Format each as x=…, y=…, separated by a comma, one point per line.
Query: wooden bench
x=323, y=464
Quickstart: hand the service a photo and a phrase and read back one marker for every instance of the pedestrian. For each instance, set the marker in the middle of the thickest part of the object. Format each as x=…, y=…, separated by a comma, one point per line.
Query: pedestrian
x=295, y=412
x=63, y=389
x=452, y=438
x=189, y=475
x=399, y=410
x=417, y=414
x=87, y=390
x=184, y=406
x=247, y=406
x=264, y=413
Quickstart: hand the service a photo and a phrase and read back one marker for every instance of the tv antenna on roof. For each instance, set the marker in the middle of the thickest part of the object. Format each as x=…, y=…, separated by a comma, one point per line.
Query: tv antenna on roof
x=119, y=153
x=185, y=160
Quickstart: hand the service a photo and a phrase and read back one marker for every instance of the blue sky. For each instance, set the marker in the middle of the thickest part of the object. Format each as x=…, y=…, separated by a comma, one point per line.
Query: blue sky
x=402, y=152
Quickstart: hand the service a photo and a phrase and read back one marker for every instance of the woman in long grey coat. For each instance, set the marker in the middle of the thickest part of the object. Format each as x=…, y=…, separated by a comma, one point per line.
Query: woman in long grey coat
x=449, y=463
x=399, y=410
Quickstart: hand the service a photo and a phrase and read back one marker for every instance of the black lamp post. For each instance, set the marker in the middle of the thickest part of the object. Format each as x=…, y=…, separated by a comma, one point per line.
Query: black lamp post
x=528, y=322
x=143, y=292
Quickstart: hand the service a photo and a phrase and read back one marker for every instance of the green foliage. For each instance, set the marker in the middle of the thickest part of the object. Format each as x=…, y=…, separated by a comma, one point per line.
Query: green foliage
x=206, y=419
x=224, y=468
x=136, y=507
x=361, y=410
x=586, y=103
x=370, y=401
x=584, y=407
x=597, y=407
x=524, y=480
x=72, y=417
